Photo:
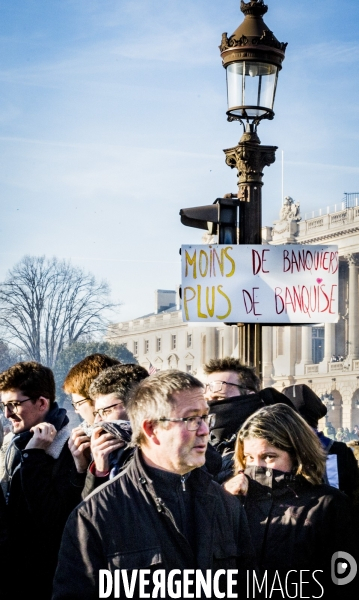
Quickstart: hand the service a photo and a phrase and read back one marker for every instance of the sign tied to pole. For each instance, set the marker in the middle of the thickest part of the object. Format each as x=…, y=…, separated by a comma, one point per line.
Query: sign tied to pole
x=260, y=284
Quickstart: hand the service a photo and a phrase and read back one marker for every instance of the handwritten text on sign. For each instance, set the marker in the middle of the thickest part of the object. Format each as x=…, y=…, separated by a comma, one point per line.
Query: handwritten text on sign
x=260, y=284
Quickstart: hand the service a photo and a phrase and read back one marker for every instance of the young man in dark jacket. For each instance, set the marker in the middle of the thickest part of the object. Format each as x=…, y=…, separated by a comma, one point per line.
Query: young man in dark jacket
x=42, y=483
x=233, y=393
x=163, y=516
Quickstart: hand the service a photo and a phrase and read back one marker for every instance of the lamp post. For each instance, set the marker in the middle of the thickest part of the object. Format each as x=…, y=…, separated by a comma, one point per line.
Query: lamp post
x=328, y=401
x=252, y=57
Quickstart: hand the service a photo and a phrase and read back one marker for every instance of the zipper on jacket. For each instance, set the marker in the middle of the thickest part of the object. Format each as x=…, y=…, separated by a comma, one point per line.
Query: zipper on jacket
x=183, y=481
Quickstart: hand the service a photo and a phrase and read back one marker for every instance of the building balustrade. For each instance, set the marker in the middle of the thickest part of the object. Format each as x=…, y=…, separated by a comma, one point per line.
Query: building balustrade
x=315, y=223
x=309, y=369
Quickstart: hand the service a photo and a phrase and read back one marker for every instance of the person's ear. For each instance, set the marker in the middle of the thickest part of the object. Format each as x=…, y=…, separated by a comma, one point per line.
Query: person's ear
x=43, y=403
x=149, y=429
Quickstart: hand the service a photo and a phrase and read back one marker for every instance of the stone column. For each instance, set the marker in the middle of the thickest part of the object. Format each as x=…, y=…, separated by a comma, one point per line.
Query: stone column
x=210, y=343
x=267, y=357
x=329, y=346
x=306, y=358
x=227, y=340
x=353, y=325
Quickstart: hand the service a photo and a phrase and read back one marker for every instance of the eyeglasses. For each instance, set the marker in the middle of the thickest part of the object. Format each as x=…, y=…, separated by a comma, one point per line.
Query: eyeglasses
x=102, y=412
x=79, y=402
x=13, y=406
x=217, y=386
x=192, y=423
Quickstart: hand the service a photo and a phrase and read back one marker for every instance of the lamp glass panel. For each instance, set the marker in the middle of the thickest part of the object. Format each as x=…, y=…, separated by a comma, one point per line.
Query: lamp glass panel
x=251, y=84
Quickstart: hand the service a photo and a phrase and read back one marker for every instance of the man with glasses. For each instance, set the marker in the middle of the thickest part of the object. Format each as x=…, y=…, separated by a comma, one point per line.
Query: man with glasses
x=79, y=378
x=77, y=383
x=109, y=444
x=227, y=378
x=42, y=484
x=233, y=393
x=163, y=514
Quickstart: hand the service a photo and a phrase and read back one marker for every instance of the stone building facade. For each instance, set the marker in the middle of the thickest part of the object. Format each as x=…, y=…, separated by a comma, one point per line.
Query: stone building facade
x=324, y=356
x=163, y=340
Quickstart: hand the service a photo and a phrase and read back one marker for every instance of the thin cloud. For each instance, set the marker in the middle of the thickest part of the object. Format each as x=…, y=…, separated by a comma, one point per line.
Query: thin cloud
x=330, y=53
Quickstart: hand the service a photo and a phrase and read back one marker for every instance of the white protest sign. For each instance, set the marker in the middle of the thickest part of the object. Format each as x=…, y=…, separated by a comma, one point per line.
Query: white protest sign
x=260, y=284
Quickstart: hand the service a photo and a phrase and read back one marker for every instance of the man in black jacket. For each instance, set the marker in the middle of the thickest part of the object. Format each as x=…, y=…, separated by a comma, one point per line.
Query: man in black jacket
x=162, y=518
x=42, y=483
x=233, y=393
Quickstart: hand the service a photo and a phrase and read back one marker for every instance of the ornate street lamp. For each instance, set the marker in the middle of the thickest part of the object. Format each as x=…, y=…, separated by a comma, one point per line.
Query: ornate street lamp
x=252, y=57
x=328, y=400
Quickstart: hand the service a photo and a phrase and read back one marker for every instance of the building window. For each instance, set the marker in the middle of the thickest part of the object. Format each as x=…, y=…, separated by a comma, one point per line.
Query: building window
x=317, y=344
x=189, y=340
x=188, y=368
x=135, y=348
x=158, y=344
x=147, y=346
x=173, y=342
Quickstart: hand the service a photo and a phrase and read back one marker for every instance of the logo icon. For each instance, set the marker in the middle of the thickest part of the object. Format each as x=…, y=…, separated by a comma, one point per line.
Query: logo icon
x=343, y=568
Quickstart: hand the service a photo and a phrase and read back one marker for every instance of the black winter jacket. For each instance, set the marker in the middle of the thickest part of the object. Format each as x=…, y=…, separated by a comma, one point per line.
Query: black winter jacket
x=297, y=525
x=228, y=417
x=43, y=489
x=125, y=525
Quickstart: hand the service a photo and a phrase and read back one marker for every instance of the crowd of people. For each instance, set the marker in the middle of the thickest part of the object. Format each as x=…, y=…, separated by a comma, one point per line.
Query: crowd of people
x=167, y=475
x=341, y=434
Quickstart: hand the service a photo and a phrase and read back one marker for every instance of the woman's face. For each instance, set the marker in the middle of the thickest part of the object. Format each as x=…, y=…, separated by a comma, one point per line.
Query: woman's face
x=259, y=453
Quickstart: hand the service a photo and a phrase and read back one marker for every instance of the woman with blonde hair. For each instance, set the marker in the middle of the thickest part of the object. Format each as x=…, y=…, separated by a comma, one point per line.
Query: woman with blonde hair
x=297, y=522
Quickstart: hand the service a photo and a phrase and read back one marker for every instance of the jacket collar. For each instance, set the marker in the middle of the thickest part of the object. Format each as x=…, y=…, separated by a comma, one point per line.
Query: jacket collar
x=230, y=415
x=57, y=417
x=136, y=470
x=274, y=479
x=204, y=492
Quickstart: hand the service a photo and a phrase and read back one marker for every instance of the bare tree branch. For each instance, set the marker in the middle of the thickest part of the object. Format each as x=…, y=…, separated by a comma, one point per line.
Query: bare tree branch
x=47, y=304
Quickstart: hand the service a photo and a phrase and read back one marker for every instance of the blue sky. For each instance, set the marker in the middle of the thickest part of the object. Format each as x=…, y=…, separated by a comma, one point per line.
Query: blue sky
x=112, y=118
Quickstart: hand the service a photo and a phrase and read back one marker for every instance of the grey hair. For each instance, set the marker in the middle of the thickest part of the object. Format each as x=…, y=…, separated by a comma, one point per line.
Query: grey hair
x=153, y=398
